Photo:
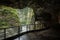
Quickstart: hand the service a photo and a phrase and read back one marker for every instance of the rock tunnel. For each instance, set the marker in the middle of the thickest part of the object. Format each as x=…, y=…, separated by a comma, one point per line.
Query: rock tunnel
x=25, y=14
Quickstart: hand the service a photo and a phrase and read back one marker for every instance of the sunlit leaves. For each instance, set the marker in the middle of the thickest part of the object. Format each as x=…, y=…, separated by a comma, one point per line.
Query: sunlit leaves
x=8, y=17
x=25, y=15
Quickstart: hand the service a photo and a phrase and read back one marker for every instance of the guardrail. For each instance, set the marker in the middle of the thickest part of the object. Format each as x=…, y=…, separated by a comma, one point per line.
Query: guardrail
x=21, y=29
x=5, y=32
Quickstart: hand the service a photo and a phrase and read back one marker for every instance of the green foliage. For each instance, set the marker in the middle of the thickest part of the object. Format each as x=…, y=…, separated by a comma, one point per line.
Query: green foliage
x=25, y=15
x=8, y=17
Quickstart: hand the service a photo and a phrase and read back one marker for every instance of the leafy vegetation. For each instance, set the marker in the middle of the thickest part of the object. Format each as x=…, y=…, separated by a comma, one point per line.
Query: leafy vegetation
x=12, y=17
x=25, y=15
x=8, y=17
